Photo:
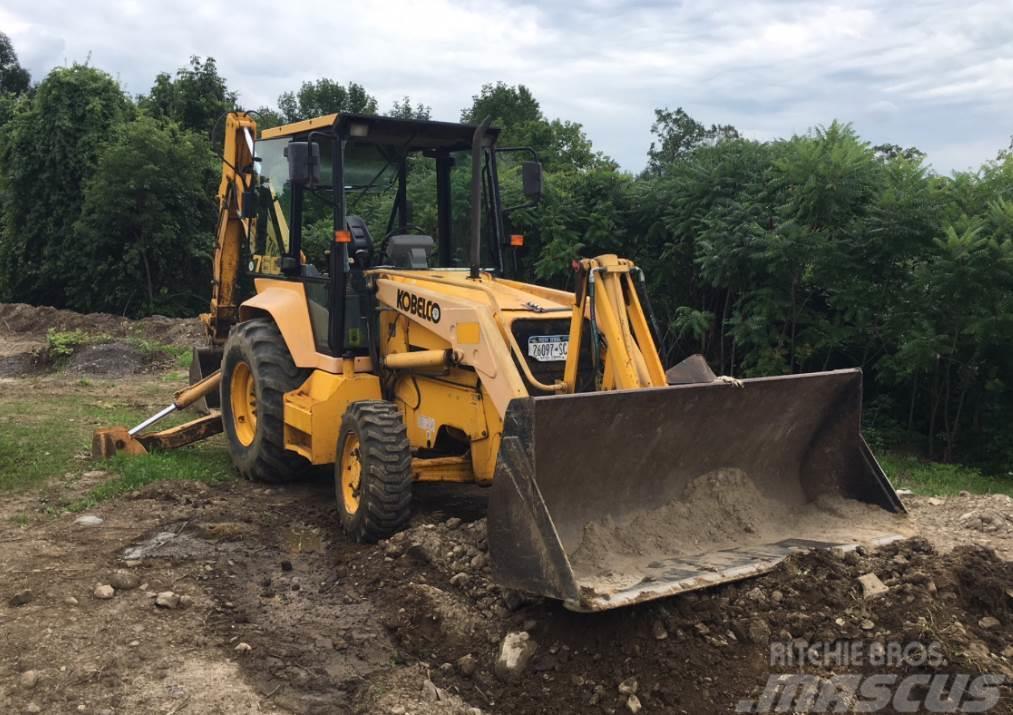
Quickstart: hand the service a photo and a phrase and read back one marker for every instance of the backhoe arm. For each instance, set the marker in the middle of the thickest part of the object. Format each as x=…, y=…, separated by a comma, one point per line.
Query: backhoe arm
x=233, y=227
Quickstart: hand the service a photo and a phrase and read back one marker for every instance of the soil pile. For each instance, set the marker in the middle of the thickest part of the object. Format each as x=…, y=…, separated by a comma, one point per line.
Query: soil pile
x=721, y=510
x=21, y=320
x=106, y=344
x=699, y=652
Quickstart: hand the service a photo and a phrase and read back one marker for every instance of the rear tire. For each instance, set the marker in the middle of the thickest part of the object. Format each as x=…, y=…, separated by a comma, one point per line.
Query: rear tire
x=257, y=371
x=372, y=472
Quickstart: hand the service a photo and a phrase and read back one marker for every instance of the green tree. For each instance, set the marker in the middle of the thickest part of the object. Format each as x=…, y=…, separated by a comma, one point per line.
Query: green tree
x=47, y=151
x=677, y=135
x=147, y=222
x=509, y=106
x=14, y=79
x=403, y=109
x=325, y=96
x=195, y=98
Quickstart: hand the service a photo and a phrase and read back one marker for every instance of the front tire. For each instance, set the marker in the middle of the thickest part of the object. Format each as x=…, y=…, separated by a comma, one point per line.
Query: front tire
x=257, y=371
x=372, y=473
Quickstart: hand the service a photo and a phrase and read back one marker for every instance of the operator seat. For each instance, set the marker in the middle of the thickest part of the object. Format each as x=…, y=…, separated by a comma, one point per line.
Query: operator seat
x=361, y=248
x=410, y=251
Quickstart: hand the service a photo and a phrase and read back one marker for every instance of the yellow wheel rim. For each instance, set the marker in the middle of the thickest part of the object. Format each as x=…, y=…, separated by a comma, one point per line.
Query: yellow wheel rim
x=243, y=390
x=351, y=473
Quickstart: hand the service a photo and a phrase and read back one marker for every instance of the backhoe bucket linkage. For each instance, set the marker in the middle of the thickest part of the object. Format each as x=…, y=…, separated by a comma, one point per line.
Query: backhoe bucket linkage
x=119, y=440
x=612, y=498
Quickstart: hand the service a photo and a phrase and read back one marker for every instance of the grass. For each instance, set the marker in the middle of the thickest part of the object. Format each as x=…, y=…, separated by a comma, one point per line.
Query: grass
x=935, y=479
x=45, y=438
x=193, y=464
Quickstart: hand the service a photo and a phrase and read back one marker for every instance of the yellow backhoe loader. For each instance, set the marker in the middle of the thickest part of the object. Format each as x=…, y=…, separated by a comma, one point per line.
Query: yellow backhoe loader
x=413, y=356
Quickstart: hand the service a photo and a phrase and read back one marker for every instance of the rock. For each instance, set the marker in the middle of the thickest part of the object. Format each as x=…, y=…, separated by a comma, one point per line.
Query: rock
x=185, y=601
x=515, y=653
x=904, y=492
x=628, y=686
x=32, y=708
x=933, y=501
x=29, y=679
x=453, y=522
x=702, y=629
x=393, y=549
x=95, y=474
x=167, y=599
x=88, y=520
x=872, y=586
x=104, y=591
x=1007, y=652
x=776, y=596
x=467, y=665
x=989, y=622
x=429, y=691
x=242, y=647
x=478, y=561
x=22, y=597
x=459, y=579
x=514, y=600
x=124, y=580
x=658, y=630
x=419, y=554
x=398, y=710
x=965, y=493
x=70, y=601
x=757, y=631
x=633, y=704
x=867, y=625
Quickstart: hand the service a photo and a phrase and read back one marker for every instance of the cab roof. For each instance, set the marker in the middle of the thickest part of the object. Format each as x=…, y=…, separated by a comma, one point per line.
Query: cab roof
x=410, y=134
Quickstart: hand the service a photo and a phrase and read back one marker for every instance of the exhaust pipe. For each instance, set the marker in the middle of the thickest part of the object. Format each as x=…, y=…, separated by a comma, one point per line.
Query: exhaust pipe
x=476, y=197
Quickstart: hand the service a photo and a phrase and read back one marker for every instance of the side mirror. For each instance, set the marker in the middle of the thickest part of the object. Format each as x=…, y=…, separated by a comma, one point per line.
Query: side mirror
x=531, y=179
x=303, y=162
x=250, y=199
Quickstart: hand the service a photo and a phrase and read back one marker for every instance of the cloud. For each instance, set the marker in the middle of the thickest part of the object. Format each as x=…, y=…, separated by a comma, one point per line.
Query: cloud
x=933, y=74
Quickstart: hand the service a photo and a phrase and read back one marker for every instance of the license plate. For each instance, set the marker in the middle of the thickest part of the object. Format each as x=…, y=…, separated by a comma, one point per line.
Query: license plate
x=548, y=348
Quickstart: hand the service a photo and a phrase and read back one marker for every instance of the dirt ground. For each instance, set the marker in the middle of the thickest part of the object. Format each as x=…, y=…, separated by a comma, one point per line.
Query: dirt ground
x=237, y=598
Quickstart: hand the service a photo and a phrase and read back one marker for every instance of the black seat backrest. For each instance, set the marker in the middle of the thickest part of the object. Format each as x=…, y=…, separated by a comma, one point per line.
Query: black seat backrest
x=410, y=251
x=361, y=248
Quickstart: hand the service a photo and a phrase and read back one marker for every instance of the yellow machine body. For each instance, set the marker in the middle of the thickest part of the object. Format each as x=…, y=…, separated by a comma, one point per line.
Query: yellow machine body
x=598, y=459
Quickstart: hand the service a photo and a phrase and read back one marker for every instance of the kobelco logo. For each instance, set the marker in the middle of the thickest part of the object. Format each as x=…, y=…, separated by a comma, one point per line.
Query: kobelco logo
x=425, y=309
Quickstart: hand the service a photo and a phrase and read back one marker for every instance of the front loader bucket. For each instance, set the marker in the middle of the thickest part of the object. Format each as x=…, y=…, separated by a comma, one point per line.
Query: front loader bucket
x=612, y=498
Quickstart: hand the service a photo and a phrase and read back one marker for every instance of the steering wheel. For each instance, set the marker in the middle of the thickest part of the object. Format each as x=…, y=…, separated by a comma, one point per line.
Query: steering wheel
x=399, y=231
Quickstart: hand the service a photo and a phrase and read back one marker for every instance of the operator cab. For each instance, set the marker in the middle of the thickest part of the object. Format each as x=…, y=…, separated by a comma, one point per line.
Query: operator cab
x=341, y=191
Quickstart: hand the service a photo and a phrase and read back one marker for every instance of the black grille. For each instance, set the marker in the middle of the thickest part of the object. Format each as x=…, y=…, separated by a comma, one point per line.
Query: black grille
x=549, y=372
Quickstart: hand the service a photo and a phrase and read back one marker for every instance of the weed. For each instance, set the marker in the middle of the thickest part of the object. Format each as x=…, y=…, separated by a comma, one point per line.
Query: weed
x=933, y=478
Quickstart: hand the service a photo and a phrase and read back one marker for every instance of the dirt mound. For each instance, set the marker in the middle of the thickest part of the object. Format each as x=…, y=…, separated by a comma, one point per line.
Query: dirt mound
x=19, y=319
x=101, y=344
x=108, y=359
x=702, y=651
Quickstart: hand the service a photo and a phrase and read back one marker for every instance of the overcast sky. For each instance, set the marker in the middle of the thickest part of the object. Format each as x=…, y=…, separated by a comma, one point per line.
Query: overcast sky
x=936, y=75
